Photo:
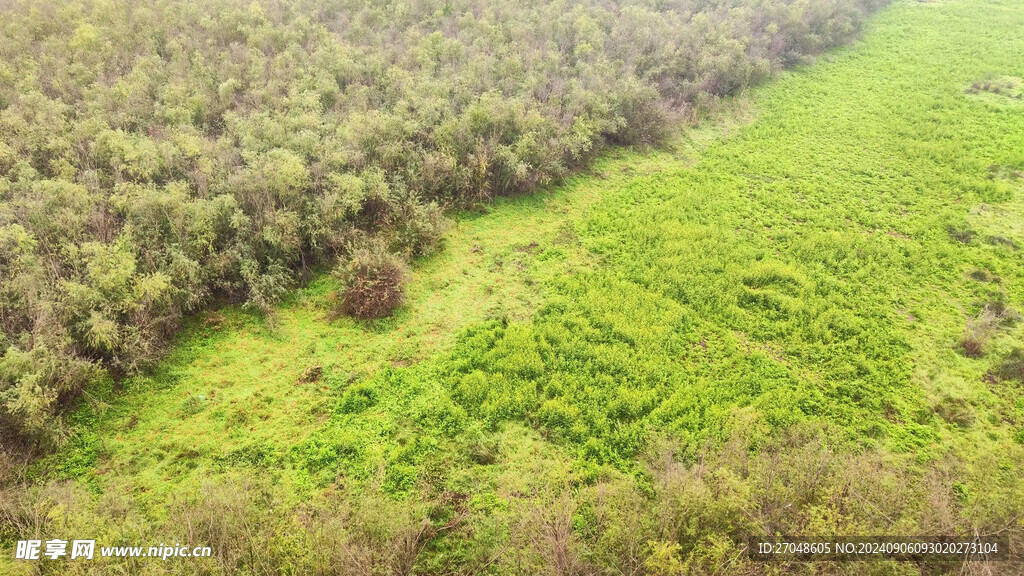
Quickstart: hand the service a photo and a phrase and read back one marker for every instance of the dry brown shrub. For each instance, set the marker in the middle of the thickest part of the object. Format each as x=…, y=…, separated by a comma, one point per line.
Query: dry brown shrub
x=373, y=282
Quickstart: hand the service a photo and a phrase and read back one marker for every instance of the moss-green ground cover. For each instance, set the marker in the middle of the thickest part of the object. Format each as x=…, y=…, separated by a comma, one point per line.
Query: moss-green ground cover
x=820, y=262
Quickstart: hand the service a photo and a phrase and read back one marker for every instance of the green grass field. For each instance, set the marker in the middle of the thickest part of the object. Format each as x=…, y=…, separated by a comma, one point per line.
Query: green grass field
x=815, y=255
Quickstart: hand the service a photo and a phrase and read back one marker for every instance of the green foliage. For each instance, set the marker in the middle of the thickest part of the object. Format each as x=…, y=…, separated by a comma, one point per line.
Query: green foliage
x=755, y=332
x=418, y=227
x=358, y=398
x=156, y=158
x=1011, y=367
x=34, y=383
x=695, y=518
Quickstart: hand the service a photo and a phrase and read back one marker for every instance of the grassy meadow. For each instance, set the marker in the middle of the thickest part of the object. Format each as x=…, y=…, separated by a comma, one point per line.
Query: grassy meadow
x=839, y=251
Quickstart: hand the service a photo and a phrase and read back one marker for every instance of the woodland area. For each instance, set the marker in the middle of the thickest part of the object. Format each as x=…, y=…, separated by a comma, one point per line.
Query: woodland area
x=163, y=155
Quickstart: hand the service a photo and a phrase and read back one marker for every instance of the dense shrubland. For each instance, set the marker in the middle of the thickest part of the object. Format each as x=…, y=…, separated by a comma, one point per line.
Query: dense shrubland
x=158, y=156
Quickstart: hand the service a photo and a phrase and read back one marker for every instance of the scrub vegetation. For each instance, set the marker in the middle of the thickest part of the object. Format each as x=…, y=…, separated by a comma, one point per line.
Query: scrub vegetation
x=799, y=316
x=157, y=157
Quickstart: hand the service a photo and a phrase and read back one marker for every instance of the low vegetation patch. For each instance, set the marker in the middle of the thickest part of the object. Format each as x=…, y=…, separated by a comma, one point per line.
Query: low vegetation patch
x=984, y=325
x=1006, y=90
x=1011, y=367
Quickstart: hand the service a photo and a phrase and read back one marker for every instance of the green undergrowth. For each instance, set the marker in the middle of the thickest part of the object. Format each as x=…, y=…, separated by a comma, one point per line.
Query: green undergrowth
x=822, y=257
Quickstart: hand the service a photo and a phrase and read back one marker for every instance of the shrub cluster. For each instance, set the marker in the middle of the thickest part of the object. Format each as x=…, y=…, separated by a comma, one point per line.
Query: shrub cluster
x=157, y=155
x=372, y=282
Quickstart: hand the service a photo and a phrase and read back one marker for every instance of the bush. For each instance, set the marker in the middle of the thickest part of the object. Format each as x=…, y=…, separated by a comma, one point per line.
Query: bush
x=1012, y=367
x=978, y=332
x=982, y=327
x=961, y=234
x=689, y=512
x=973, y=344
x=955, y=411
x=419, y=227
x=32, y=385
x=373, y=282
